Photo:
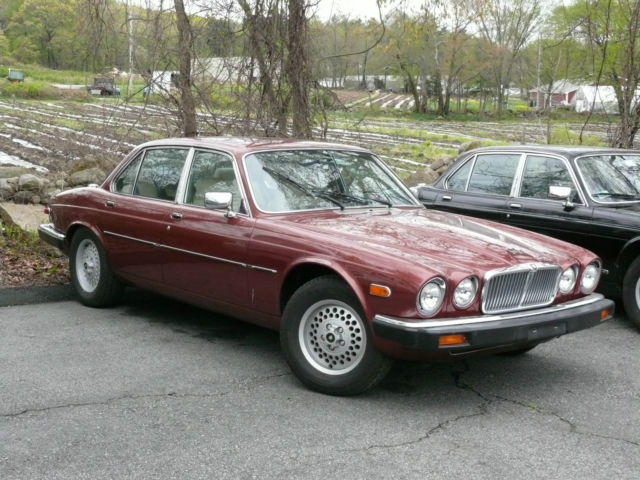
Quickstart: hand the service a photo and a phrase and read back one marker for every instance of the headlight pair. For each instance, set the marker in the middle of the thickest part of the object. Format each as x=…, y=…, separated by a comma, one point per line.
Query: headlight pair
x=588, y=281
x=433, y=292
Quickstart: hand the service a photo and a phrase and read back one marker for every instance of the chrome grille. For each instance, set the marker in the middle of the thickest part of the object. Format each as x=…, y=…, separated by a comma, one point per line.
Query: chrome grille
x=517, y=288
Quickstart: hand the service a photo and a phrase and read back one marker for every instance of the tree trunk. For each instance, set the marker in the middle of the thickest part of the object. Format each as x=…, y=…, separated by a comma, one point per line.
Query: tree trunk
x=187, y=104
x=298, y=69
x=413, y=88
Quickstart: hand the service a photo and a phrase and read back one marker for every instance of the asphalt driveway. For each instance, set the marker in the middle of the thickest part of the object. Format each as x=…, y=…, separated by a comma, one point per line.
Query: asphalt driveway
x=157, y=389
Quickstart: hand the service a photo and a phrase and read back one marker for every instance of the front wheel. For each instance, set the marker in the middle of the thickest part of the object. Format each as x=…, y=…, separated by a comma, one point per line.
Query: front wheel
x=631, y=292
x=91, y=275
x=326, y=339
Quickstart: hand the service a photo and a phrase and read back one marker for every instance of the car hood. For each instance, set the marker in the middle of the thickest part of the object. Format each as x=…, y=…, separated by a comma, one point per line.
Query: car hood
x=436, y=240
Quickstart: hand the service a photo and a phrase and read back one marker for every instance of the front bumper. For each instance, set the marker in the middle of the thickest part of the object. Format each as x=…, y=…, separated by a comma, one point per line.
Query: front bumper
x=48, y=233
x=496, y=331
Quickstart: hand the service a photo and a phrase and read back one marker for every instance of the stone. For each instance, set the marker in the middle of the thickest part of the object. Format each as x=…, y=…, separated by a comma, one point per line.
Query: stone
x=30, y=183
x=24, y=197
x=86, y=177
x=465, y=147
x=426, y=176
x=11, y=171
x=7, y=189
x=436, y=164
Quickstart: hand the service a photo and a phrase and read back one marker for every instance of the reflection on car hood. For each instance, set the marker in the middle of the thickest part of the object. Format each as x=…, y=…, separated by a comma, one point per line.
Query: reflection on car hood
x=424, y=236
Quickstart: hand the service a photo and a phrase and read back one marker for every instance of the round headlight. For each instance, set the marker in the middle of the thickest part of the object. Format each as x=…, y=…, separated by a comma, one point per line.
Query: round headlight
x=465, y=292
x=567, y=280
x=431, y=296
x=590, y=277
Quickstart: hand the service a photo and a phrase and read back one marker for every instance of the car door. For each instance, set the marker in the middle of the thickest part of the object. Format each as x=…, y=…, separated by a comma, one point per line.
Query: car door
x=535, y=209
x=137, y=211
x=207, y=249
x=481, y=186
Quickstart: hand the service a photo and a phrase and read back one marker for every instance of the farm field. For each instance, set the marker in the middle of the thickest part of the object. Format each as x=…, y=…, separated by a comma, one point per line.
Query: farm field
x=64, y=136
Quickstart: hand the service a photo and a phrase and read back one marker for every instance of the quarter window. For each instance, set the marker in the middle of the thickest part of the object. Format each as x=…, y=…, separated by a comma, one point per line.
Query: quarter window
x=124, y=182
x=458, y=181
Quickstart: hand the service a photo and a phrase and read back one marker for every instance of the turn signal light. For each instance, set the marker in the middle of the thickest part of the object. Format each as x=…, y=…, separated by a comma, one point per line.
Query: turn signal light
x=379, y=290
x=449, y=340
x=604, y=314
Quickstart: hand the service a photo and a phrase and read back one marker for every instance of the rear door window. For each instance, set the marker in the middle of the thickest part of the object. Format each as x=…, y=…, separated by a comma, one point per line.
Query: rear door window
x=494, y=173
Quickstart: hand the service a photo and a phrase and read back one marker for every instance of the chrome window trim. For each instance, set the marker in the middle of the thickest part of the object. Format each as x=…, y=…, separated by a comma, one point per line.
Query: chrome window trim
x=494, y=152
x=567, y=164
x=481, y=319
x=236, y=171
x=182, y=184
x=599, y=154
x=144, y=151
x=191, y=252
x=470, y=158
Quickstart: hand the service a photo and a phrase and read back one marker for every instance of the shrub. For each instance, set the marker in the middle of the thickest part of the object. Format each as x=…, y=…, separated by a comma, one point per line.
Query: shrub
x=27, y=89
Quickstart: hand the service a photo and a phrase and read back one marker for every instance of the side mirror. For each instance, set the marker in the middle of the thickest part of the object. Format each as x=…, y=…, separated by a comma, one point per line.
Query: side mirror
x=557, y=192
x=219, y=201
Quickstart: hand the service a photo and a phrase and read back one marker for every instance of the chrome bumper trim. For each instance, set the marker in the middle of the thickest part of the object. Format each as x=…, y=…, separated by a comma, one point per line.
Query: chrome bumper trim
x=418, y=324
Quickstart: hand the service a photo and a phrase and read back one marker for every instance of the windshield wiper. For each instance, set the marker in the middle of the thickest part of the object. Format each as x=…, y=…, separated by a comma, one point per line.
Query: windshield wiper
x=620, y=196
x=365, y=200
x=625, y=196
x=302, y=187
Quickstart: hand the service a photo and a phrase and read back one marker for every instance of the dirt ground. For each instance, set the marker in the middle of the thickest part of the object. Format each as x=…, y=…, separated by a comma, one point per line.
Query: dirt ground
x=24, y=259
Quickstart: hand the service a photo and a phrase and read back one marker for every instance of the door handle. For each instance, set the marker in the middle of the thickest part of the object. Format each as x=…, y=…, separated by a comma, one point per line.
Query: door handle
x=176, y=215
x=515, y=206
x=446, y=198
x=110, y=203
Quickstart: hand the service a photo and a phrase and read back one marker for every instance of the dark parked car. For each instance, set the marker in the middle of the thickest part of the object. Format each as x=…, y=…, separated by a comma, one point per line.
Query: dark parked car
x=103, y=86
x=583, y=195
x=325, y=244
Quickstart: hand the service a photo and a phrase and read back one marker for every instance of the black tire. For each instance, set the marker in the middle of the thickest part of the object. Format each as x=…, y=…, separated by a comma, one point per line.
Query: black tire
x=326, y=339
x=631, y=292
x=91, y=275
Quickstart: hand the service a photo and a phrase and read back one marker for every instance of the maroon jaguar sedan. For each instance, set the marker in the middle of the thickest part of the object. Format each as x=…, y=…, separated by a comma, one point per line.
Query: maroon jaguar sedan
x=326, y=244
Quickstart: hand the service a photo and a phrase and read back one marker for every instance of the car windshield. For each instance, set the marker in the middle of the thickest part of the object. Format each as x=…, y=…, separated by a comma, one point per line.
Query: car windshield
x=611, y=178
x=290, y=180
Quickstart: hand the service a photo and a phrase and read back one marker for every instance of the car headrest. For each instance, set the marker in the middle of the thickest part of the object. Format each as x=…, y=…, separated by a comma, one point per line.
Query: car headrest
x=225, y=174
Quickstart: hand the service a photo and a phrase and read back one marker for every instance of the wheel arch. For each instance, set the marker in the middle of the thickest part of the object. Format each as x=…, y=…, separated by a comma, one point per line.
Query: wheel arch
x=628, y=254
x=75, y=227
x=305, y=271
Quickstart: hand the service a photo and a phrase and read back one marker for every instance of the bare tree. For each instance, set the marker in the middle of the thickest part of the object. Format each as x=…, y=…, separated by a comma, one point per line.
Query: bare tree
x=506, y=25
x=298, y=69
x=185, y=47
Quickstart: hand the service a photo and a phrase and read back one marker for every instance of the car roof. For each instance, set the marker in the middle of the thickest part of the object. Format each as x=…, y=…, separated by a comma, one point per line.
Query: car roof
x=569, y=151
x=242, y=145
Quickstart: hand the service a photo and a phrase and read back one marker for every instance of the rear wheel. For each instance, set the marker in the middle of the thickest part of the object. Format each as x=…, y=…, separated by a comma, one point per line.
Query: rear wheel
x=91, y=276
x=326, y=339
x=631, y=292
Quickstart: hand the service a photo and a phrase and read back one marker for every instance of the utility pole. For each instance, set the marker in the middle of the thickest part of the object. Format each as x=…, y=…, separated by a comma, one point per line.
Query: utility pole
x=538, y=73
x=130, y=40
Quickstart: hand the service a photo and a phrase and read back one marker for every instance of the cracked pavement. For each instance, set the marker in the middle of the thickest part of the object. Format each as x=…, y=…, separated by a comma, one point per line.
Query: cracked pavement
x=157, y=389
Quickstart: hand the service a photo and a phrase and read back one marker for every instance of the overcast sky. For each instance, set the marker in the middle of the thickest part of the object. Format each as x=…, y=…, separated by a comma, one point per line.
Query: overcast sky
x=360, y=8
